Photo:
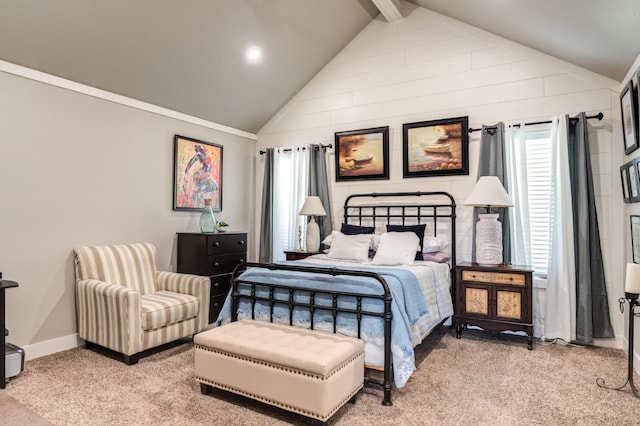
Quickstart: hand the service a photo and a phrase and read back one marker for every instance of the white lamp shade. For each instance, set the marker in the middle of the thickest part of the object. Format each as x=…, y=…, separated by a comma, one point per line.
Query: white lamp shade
x=632, y=281
x=312, y=207
x=488, y=192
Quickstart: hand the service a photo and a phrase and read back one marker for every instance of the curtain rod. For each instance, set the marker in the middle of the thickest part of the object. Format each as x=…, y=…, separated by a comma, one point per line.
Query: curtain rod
x=599, y=116
x=300, y=147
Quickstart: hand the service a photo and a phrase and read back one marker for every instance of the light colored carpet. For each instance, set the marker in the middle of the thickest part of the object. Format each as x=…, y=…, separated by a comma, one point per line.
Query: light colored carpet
x=481, y=379
x=14, y=413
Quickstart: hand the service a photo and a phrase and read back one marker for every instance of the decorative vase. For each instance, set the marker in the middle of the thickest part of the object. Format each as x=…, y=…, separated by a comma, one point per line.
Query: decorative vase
x=488, y=240
x=207, y=218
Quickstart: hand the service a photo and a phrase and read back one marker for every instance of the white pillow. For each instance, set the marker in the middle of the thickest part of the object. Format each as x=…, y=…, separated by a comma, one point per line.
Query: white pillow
x=375, y=240
x=397, y=248
x=350, y=247
x=434, y=244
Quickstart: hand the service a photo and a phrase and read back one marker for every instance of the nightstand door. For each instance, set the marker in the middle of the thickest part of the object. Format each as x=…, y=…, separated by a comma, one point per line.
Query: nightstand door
x=475, y=300
x=510, y=303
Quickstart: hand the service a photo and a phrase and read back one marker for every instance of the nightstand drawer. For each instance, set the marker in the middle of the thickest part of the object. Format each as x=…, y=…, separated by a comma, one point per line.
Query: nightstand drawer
x=508, y=278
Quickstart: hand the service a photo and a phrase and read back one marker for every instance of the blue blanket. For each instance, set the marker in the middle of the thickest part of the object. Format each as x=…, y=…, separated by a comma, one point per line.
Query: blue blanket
x=408, y=306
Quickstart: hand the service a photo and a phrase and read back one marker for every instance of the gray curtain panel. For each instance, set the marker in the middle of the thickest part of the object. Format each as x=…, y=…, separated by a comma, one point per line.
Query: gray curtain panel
x=493, y=163
x=319, y=185
x=266, y=222
x=592, y=306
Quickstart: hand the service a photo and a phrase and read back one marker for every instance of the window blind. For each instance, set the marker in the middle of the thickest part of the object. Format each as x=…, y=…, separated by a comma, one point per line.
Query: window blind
x=538, y=149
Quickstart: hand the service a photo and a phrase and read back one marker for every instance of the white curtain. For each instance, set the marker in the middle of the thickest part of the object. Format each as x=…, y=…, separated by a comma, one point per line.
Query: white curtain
x=560, y=310
x=291, y=178
x=516, y=159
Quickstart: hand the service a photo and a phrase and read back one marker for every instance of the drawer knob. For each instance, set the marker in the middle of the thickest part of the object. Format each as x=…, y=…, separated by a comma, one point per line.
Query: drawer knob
x=241, y=242
x=241, y=261
x=216, y=244
x=216, y=264
x=216, y=304
x=216, y=284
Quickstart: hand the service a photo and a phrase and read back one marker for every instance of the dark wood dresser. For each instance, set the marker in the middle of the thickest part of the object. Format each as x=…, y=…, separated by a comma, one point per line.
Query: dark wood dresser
x=214, y=255
x=496, y=298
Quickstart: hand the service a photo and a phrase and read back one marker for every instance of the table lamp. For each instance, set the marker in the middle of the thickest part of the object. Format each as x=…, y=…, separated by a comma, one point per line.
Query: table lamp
x=488, y=193
x=312, y=207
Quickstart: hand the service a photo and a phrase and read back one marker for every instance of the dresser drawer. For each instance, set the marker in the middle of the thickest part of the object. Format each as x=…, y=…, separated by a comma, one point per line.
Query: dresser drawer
x=220, y=285
x=215, y=307
x=224, y=263
x=226, y=243
x=508, y=278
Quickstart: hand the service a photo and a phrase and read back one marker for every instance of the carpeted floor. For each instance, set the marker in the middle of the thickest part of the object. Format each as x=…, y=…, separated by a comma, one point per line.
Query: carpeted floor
x=481, y=379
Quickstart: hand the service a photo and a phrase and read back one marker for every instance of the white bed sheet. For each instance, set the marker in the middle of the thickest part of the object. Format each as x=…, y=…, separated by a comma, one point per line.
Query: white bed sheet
x=435, y=282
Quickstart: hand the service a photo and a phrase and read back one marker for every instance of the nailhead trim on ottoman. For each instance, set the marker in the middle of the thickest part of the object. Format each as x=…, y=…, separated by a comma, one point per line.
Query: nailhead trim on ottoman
x=309, y=372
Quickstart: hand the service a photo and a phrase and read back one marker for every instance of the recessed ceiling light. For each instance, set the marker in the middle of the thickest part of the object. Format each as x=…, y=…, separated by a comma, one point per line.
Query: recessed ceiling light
x=254, y=54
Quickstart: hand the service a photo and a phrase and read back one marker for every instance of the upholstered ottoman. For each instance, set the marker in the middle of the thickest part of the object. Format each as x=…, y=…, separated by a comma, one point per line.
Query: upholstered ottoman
x=309, y=372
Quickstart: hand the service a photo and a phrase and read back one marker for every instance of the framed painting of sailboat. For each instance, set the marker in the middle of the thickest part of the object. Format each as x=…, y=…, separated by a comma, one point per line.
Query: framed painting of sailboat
x=362, y=154
x=436, y=147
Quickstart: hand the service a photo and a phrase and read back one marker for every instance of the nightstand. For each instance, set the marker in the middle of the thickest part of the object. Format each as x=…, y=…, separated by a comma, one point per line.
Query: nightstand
x=496, y=298
x=298, y=255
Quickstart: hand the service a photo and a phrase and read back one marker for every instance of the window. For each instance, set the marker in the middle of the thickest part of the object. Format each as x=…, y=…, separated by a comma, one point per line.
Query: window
x=291, y=176
x=538, y=159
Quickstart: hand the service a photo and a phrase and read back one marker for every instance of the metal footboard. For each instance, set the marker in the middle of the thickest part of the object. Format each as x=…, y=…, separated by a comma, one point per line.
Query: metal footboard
x=308, y=299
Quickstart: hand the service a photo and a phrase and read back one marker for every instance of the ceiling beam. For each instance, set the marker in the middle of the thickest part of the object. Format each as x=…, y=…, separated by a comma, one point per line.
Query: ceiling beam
x=390, y=9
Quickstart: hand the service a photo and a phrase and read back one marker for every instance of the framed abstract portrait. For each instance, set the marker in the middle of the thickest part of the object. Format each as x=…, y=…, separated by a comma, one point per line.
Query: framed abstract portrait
x=197, y=174
x=436, y=148
x=362, y=154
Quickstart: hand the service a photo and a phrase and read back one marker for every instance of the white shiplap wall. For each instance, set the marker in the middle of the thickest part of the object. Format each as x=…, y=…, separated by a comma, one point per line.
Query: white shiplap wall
x=428, y=67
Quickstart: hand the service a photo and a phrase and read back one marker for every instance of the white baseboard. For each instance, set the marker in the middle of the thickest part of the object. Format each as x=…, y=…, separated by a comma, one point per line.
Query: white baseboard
x=619, y=342
x=636, y=355
x=52, y=346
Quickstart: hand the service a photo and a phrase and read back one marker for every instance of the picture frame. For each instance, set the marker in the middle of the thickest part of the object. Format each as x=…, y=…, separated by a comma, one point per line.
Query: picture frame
x=628, y=110
x=630, y=181
x=635, y=238
x=362, y=154
x=624, y=180
x=436, y=147
x=197, y=175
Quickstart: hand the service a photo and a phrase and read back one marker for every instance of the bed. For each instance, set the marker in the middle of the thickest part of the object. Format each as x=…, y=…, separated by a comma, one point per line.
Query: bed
x=391, y=308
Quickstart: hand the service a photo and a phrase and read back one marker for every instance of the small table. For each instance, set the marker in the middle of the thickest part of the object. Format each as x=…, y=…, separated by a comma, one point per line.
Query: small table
x=298, y=255
x=4, y=284
x=496, y=298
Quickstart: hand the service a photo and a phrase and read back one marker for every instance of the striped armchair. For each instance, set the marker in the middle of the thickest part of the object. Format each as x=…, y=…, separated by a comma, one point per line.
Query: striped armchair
x=124, y=304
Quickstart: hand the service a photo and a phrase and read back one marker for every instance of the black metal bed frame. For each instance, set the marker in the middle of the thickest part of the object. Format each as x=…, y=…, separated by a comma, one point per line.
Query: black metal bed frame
x=367, y=213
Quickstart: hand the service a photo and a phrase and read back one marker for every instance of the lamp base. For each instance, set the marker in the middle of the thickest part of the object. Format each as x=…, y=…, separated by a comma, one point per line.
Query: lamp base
x=313, y=235
x=488, y=240
x=632, y=298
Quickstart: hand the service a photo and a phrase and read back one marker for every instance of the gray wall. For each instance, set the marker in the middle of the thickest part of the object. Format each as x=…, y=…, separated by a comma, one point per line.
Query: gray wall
x=78, y=170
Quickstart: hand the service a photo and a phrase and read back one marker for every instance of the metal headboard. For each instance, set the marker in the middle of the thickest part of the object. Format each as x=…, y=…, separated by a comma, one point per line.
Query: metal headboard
x=397, y=208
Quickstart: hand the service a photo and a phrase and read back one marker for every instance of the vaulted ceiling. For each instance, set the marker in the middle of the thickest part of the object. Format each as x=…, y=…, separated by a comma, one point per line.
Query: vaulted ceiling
x=188, y=56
